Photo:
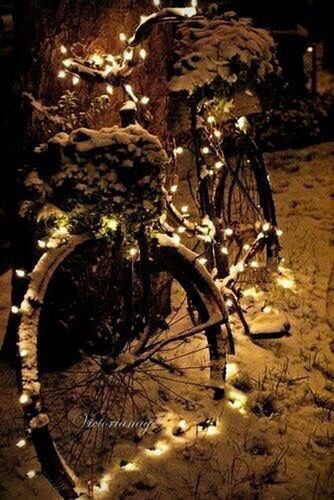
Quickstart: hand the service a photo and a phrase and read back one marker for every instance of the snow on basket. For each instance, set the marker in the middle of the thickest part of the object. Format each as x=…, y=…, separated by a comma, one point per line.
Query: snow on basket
x=227, y=52
x=99, y=173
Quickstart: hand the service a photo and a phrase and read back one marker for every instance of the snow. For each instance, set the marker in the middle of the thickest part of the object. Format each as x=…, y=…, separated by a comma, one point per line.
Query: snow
x=272, y=437
x=222, y=49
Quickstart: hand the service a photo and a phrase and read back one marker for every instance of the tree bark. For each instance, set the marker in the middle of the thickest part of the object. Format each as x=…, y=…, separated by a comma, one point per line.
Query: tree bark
x=41, y=28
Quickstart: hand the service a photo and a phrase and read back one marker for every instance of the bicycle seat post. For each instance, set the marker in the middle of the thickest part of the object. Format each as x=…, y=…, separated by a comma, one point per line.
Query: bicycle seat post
x=128, y=114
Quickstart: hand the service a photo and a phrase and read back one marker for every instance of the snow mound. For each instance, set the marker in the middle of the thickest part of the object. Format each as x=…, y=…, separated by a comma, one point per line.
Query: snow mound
x=98, y=173
x=226, y=51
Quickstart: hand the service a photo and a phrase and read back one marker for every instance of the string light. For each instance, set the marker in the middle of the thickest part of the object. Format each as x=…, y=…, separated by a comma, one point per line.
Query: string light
x=181, y=229
x=15, y=309
x=63, y=49
x=159, y=448
x=143, y=53
x=110, y=89
x=173, y=188
x=194, y=3
x=254, y=264
x=184, y=209
x=224, y=250
x=23, y=353
x=279, y=232
x=178, y=150
x=309, y=49
x=267, y=309
x=156, y=3
x=128, y=55
x=205, y=150
x=31, y=474
x=122, y=37
x=145, y=100
x=61, y=74
x=229, y=303
x=266, y=226
x=75, y=80
x=246, y=247
x=219, y=164
x=24, y=398
x=228, y=231
x=217, y=134
x=133, y=252
x=20, y=273
x=202, y=260
x=21, y=443
x=211, y=119
x=67, y=63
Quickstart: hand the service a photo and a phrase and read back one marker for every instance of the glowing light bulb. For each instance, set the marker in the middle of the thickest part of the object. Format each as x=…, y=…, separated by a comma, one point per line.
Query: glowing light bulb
x=279, y=232
x=15, y=309
x=160, y=448
x=20, y=273
x=194, y=3
x=205, y=150
x=178, y=150
x=266, y=226
x=240, y=267
x=23, y=353
x=133, y=251
x=217, y=134
x=211, y=119
x=202, y=260
x=63, y=49
x=267, y=309
x=184, y=209
x=75, y=80
x=246, y=247
x=229, y=303
x=24, y=398
x=31, y=474
x=309, y=49
x=143, y=53
x=61, y=74
x=254, y=264
x=181, y=229
x=231, y=370
x=112, y=224
x=130, y=466
x=21, y=443
x=145, y=100
x=67, y=63
x=128, y=55
x=228, y=231
x=173, y=188
x=122, y=37
x=156, y=3
x=110, y=89
x=219, y=164
x=224, y=250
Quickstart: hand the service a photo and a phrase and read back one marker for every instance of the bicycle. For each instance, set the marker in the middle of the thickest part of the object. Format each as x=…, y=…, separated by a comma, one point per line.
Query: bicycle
x=127, y=361
x=127, y=348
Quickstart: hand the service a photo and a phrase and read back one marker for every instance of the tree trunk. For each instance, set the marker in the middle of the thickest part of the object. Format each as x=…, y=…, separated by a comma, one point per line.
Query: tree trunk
x=42, y=27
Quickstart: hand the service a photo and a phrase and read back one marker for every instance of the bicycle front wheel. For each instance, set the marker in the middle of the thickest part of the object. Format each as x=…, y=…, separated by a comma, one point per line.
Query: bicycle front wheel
x=98, y=394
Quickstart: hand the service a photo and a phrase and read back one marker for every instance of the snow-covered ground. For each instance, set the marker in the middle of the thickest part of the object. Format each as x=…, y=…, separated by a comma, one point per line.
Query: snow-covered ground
x=274, y=431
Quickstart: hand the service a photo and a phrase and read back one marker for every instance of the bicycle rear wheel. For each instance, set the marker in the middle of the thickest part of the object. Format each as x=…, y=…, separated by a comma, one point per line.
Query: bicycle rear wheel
x=70, y=410
x=244, y=203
